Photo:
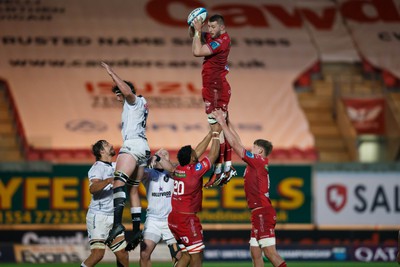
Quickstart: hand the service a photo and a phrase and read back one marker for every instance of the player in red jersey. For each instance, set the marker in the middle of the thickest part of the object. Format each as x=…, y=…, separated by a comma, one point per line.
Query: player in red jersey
x=215, y=46
x=256, y=187
x=187, y=196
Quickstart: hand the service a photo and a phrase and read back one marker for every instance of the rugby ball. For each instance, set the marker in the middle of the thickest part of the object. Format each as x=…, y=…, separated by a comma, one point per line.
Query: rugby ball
x=200, y=12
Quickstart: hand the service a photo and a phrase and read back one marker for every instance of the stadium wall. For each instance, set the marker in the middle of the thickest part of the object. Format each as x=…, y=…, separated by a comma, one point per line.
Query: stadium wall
x=325, y=212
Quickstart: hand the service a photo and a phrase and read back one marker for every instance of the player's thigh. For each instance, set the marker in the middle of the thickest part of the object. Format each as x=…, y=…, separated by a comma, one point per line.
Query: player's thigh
x=187, y=230
x=138, y=148
x=126, y=163
x=152, y=230
x=98, y=225
x=146, y=248
x=166, y=233
x=263, y=223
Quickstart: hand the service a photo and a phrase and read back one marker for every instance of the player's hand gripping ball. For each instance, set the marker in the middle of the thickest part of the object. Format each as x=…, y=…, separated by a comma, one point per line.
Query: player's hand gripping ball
x=199, y=12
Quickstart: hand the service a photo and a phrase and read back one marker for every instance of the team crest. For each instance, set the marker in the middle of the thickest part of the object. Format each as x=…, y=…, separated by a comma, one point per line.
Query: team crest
x=249, y=154
x=336, y=197
x=198, y=167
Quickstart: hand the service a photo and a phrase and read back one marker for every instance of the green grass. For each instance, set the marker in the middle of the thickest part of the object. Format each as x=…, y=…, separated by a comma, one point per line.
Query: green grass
x=229, y=264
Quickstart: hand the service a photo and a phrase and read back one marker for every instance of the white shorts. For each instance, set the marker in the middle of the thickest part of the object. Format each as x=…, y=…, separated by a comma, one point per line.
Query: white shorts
x=138, y=148
x=155, y=230
x=265, y=242
x=98, y=225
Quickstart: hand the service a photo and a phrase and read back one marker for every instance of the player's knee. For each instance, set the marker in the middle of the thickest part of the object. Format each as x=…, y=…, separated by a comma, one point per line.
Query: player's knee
x=122, y=255
x=97, y=250
x=120, y=176
x=118, y=246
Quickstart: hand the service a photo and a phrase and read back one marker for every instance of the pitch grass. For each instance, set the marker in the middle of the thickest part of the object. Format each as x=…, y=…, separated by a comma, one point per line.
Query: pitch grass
x=225, y=264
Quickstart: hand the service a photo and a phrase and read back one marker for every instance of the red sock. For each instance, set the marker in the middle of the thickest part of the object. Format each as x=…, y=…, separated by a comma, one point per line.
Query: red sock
x=221, y=153
x=228, y=152
x=283, y=264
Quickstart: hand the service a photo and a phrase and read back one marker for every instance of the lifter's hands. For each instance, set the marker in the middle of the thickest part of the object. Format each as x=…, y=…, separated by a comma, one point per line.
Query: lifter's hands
x=220, y=116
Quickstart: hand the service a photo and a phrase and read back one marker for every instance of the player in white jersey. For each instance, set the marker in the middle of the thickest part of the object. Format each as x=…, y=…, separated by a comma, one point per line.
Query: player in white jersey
x=132, y=158
x=159, y=188
x=99, y=218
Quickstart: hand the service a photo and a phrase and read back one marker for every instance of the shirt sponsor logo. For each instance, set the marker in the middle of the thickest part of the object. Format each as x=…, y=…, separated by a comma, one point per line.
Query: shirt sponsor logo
x=161, y=194
x=214, y=45
x=180, y=174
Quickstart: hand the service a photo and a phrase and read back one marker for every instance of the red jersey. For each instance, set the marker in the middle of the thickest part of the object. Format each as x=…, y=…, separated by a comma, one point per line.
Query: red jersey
x=188, y=186
x=215, y=66
x=256, y=180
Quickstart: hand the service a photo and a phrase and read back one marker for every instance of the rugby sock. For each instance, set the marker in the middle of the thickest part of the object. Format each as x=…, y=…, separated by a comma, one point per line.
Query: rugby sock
x=119, y=203
x=83, y=265
x=221, y=153
x=218, y=168
x=227, y=166
x=283, y=264
x=228, y=153
x=135, y=214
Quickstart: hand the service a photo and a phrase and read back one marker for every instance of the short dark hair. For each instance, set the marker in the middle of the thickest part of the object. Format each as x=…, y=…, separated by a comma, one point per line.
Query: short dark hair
x=184, y=155
x=97, y=148
x=116, y=89
x=218, y=18
x=266, y=145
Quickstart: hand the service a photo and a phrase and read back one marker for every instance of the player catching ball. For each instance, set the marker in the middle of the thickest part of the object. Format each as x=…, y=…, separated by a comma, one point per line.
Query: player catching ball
x=215, y=46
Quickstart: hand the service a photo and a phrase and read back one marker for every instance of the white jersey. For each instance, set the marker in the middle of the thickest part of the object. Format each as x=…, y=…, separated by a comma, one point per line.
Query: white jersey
x=158, y=192
x=102, y=201
x=134, y=118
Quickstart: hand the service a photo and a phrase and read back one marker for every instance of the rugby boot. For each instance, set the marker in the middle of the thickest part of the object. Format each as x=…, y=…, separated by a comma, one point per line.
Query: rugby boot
x=228, y=176
x=214, y=177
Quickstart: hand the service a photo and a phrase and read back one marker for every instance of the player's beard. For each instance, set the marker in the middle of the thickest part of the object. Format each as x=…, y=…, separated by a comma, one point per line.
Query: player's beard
x=217, y=34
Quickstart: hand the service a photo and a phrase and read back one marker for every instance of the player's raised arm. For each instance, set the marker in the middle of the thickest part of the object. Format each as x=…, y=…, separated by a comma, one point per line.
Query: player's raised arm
x=230, y=134
x=122, y=85
x=161, y=160
x=198, y=48
x=202, y=146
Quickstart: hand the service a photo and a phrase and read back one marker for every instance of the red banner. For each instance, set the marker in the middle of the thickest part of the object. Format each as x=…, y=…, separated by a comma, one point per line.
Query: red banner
x=367, y=115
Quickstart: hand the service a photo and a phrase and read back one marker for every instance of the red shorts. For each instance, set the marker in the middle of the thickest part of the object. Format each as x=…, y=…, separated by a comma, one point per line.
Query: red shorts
x=215, y=98
x=263, y=221
x=187, y=230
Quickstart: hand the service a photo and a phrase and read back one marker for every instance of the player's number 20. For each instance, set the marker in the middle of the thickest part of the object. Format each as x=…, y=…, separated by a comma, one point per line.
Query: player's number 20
x=179, y=188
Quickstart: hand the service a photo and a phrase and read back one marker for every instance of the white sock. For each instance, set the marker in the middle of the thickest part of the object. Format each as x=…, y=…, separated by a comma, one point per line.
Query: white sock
x=218, y=168
x=136, y=210
x=228, y=165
